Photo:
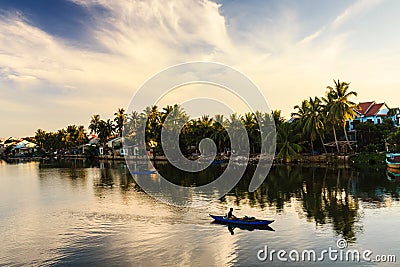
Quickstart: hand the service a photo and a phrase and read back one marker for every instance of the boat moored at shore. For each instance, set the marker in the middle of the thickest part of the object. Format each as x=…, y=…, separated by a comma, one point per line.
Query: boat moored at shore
x=393, y=160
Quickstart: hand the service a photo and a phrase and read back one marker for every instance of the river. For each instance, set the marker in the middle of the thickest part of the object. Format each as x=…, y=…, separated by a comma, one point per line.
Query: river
x=91, y=213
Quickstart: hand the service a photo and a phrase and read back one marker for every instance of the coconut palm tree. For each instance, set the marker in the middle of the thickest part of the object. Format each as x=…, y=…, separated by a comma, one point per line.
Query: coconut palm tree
x=81, y=137
x=239, y=135
x=340, y=105
x=219, y=133
x=267, y=126
x=277, y=115
x=311, y=119
x=250, y=123
x=287, y=142
x=133, y=121
x=40, y=137
x=152, y=119
x=94, y=124
x=120, y=120
x=173, y=119
x=105, y=130
x=330, y=117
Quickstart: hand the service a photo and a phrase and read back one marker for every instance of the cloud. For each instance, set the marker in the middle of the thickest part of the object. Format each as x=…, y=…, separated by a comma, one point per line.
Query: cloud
x=132, y=40
x=358, y=8
x=311, y=37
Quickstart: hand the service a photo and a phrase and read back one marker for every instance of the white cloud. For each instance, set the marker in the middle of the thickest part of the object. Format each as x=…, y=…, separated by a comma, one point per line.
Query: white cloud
x=140, y=38
x=358, y=8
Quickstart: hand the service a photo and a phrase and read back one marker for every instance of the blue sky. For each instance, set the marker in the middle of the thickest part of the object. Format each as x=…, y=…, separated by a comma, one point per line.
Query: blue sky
x=62, y=61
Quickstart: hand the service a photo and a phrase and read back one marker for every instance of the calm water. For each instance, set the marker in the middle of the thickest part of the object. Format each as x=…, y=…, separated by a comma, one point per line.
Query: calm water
x=91, y=213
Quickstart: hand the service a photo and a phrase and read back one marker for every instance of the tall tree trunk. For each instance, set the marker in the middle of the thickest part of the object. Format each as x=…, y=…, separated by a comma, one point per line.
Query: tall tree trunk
x=347, y=138
x=334, y=133
x=322, y=141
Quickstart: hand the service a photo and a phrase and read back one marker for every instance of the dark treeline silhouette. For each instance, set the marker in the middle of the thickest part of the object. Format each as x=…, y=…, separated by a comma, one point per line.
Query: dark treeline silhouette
x=315, y=122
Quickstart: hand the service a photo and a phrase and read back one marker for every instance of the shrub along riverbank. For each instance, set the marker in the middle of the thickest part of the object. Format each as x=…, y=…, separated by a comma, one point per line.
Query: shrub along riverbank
x=368, y=158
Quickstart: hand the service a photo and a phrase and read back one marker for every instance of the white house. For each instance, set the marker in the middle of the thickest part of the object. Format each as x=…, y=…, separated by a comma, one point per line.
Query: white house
x=375, y=113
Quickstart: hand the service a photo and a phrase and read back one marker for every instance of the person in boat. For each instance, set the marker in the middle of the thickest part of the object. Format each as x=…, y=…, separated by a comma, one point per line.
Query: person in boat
x=230, y=214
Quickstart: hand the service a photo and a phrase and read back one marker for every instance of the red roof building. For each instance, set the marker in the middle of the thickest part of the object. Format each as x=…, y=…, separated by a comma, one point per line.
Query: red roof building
x=375, y=113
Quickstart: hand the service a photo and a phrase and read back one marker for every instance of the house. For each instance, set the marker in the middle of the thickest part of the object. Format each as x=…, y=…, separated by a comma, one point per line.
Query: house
x=24, y=148
x=373, y=112
x=116, y=146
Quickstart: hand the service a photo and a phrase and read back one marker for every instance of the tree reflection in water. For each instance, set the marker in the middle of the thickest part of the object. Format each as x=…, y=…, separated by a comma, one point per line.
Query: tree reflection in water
x=325, y=195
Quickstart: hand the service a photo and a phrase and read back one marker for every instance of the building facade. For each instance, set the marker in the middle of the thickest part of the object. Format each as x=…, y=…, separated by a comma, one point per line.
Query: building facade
x=375, y=113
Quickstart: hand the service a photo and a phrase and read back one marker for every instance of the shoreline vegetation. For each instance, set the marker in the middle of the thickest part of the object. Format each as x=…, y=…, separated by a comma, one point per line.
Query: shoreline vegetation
x=317, y=133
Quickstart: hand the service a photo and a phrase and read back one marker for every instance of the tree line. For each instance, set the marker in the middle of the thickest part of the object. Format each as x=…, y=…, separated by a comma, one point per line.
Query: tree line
x=315, y=121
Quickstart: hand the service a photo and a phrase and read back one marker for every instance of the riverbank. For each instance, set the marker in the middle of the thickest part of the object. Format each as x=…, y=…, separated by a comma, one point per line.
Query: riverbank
x=324, y=159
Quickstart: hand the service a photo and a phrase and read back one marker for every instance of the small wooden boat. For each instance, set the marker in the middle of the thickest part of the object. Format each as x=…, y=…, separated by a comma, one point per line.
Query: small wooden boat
x=394, y=171
x=393, y=160
x=245, y=221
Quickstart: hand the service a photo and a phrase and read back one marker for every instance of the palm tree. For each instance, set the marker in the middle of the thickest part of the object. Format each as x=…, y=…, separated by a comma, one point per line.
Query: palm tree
x=311, y=119
x=153, y=127
x=71, y=136
x=166, y=111
x=40, y=137
x=120, y=120
x=105, y=130
x=94, y=124
x=277, y=115
x=340, y=106
x=81, y=137
x=267, y=126
x=287, y=142
x=61, y=139
x=330, y=116
x=239, y=135
x=131, y=128
x=219, y=133
x=173, y=119
x=250, y=123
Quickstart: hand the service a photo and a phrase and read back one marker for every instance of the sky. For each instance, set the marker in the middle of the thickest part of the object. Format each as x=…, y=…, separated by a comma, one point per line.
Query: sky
x=61, y=61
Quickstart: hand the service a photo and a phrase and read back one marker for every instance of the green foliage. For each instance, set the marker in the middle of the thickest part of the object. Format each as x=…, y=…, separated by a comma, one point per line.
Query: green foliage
x=67, y=138
x=371, y=137
x=316, y=119
x=287, y=142
x=393, y=141
x=339, y=108
x=368, y=158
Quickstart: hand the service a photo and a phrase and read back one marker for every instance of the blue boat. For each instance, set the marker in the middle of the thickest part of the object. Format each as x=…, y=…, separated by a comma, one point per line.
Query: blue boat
x=393, y=160
x=246, y=221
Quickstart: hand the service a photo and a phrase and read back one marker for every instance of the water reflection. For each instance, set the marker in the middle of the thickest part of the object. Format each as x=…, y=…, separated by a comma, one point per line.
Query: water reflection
x=323, y=195
x=233, y=228
x=326, y=195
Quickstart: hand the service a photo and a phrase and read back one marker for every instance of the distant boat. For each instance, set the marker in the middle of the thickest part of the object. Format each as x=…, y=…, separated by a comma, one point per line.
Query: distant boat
x=393, y=160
